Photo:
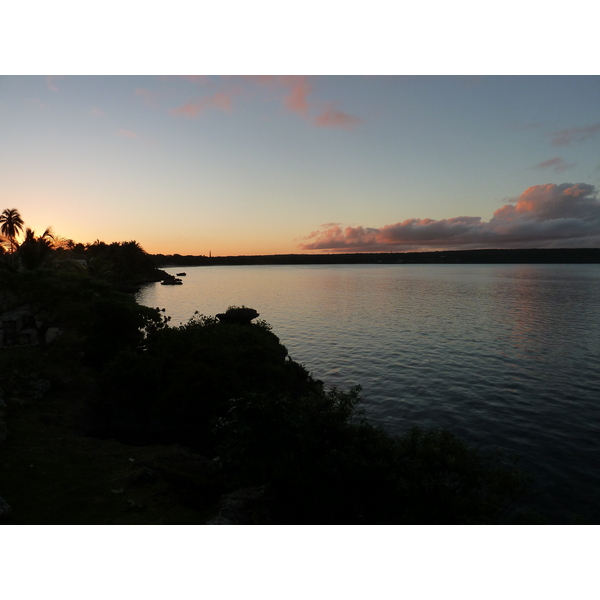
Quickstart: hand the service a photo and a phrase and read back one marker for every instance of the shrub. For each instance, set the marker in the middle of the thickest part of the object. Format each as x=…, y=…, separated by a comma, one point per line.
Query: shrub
x=183, y=378
x=326, y=464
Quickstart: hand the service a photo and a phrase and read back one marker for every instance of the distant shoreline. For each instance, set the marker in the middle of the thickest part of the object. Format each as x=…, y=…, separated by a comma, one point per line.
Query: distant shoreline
x=490, y=256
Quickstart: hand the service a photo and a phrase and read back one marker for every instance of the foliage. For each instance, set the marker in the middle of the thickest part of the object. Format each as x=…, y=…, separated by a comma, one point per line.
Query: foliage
x=326, y=464
x=119, y=261
x=11, y=224
x=182, y=380
x=37, y=251
x=98, y=320
x=231, y=390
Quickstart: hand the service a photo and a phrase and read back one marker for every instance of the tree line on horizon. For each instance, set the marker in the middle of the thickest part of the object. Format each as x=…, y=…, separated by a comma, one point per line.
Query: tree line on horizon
x=480, y=256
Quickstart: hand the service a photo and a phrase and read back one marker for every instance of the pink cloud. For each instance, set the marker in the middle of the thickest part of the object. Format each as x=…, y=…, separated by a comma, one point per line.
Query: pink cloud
x=125, y=133
x=295, y=87
x=577, y=134
x=565, y=215
x=299, y=88
x=557, y=164
x=551, y=202
x=96, y=112
x=221, y=100
x=336, y=118
x=293, y=91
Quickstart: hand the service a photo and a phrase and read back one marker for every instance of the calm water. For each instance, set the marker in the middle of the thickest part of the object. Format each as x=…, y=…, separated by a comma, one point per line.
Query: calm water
x=502, y=355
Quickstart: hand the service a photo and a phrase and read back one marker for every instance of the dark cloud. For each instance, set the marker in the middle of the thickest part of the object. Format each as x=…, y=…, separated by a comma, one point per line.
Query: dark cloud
x=576, y=134
x=557, y=164
x=544, y=216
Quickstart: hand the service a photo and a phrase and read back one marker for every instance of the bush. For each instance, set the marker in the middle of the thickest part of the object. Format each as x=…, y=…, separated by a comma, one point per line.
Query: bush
x=230, y=389
x=180, y=383
x=325, y=463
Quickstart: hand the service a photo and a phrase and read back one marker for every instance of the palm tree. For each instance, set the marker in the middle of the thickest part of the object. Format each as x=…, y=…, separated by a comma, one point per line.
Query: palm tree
x=35, y=251
x=11, y=224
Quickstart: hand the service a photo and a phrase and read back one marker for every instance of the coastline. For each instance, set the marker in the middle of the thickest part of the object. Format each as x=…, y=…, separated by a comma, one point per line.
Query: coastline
x=488, y=256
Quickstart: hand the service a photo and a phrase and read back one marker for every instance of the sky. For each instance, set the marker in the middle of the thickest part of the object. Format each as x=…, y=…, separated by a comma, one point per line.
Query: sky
x=273, y=164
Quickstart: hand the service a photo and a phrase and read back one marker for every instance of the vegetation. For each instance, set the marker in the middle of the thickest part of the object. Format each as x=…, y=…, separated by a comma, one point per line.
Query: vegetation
x=326, y=464
x=180, y=382
x=120, y=385
x=489, y=256
x=122, y=264
x=11, y=224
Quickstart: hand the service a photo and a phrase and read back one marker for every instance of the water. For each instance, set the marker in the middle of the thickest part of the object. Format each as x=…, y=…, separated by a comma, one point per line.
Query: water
x=502, y=355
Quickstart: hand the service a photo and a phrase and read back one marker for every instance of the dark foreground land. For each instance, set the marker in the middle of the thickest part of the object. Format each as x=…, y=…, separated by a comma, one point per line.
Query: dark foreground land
x=492, y=256
x=212, y=423
x=108, y=415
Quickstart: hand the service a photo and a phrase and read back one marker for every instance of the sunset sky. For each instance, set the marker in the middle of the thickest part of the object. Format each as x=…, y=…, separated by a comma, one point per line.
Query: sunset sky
x=290, y=164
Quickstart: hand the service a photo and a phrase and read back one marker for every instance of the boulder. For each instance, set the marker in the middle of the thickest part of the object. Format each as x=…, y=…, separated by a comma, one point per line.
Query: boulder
x=238, y=315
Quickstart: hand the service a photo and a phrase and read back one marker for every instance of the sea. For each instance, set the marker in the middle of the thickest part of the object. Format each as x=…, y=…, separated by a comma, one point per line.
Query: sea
x=504, y=356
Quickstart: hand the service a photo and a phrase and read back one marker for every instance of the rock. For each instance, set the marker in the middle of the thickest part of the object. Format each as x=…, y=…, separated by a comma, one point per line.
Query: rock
x=239, y=315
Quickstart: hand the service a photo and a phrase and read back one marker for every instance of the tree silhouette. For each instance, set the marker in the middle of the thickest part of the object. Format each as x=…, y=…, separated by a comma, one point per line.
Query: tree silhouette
x=11, y=224
x=34, y=251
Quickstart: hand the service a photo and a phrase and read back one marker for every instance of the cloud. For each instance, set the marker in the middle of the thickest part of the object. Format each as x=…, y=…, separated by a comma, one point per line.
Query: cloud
x=577, y=134
x=293, y=92
x=299, y=88
x=550, y=215
x=96, y=112
x=191, y=110
x=557, y=164
x=336, y=118
x=125, y=133
x=297, y=102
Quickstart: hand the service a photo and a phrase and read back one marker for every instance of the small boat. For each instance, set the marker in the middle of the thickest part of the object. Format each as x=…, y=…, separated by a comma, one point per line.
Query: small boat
x=172, y=281
x=181, y=274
